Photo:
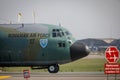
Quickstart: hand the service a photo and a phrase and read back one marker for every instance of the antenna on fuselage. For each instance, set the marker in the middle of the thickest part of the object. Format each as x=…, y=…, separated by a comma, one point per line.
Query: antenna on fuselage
x=59, y=24
x=22, y=25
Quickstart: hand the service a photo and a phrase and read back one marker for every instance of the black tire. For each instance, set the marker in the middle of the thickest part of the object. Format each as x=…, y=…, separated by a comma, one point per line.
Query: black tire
x=53, y=68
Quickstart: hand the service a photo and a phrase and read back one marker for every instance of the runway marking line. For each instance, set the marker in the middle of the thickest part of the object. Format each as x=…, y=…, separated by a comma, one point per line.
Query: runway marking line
x=4, y=77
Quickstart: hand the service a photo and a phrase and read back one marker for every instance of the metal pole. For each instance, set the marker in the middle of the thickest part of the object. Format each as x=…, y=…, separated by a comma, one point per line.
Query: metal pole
x=115, y=76
x=107, y=76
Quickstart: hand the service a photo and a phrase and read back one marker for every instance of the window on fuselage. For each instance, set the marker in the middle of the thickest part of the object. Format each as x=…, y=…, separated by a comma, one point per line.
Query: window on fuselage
x=61, y=44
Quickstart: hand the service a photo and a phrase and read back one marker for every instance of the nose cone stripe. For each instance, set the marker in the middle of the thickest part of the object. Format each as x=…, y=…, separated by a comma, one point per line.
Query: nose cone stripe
x=78, y=50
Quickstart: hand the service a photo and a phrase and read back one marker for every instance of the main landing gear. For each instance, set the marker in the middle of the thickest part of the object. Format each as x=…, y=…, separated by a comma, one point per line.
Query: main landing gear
x=53, y=68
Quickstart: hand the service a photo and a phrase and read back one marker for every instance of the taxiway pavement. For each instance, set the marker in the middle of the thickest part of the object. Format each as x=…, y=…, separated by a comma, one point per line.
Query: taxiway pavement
x=61, y=76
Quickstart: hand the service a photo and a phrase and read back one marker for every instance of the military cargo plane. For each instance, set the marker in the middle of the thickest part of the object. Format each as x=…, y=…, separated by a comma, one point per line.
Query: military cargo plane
x=40, y=46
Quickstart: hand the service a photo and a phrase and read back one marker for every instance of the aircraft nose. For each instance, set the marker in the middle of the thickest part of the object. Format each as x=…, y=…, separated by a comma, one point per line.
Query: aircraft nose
x=78, y=50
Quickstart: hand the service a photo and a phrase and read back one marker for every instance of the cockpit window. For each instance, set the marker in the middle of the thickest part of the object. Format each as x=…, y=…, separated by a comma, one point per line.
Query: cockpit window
x=57, y=33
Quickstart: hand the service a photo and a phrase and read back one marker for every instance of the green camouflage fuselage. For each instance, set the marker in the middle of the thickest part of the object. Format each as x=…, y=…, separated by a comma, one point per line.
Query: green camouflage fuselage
x=34, y=44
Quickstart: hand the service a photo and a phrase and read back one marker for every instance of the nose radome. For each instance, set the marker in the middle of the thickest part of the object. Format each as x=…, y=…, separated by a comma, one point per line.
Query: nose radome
x=78, y=50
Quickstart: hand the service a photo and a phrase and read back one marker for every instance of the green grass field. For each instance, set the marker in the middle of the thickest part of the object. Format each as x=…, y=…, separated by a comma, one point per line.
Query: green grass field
x=82, y=65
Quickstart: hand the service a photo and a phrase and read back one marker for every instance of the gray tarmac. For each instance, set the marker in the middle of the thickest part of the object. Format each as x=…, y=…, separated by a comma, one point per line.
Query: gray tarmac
x=61, y=76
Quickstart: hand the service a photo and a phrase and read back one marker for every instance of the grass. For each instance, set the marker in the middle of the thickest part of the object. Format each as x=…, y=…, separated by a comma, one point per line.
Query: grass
x=82, y=65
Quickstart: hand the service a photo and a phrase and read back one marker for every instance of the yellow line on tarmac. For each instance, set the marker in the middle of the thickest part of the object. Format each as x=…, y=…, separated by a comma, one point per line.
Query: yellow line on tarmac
x=4, y=77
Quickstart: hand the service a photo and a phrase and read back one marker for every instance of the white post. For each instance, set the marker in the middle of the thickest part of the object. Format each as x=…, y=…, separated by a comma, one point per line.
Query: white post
x=34, y=16
x=19, y=17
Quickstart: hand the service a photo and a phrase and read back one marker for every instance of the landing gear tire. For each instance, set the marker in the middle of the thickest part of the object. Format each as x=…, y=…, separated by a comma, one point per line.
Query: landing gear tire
x=53, y=68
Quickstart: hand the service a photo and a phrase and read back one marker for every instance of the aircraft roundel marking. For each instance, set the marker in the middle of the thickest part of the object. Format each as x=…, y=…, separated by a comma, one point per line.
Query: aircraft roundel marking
x=43, y=42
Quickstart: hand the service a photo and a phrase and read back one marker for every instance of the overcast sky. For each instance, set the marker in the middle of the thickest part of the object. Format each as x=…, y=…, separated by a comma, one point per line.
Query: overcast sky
x=83, y=18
